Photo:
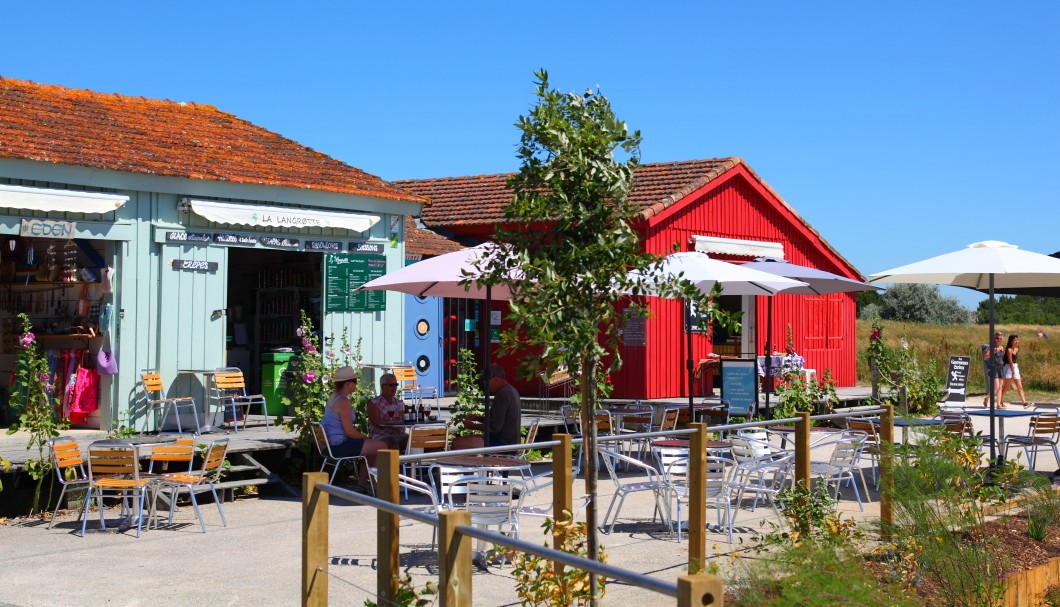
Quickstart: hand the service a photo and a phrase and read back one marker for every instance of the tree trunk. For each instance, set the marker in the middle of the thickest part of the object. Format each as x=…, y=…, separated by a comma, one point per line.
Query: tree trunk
x=588, y=398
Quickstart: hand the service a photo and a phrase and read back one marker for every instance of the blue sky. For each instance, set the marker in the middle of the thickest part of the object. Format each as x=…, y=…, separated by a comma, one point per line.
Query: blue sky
x=899, y=130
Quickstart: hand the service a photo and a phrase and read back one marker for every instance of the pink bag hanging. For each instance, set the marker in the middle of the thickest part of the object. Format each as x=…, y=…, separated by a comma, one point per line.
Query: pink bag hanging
x=85, y=398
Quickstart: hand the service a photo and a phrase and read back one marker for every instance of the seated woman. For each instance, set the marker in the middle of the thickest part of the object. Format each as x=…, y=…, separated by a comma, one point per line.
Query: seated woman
x=384, y=411
x=343, y=436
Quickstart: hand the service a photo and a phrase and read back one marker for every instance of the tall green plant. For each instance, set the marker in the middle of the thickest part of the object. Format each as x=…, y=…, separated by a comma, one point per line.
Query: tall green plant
x=941, y=498
x=568, y=246
x=309, y=390
x=895, y=368
x=31, y=396
x=469, y=399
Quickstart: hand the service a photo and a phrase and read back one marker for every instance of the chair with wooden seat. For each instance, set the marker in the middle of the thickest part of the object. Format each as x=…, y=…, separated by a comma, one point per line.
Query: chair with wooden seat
x=193, y=482
x=412, y=392
x=1043, y=433
x=230, y=395
x=69, y=468
x=114, y=471
x=424, y=438
x=173, y=457
x=155, y=400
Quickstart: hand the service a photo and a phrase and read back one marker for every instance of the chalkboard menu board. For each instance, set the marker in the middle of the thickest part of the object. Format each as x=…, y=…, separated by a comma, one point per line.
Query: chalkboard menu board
x=343, y=273
x=739, y=385
x=635, y=330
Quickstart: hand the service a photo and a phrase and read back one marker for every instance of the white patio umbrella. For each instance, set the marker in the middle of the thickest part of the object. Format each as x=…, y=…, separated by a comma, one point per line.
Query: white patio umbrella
x=987, y=265
x=818, y=282
x=442, y=276
x=704, y=272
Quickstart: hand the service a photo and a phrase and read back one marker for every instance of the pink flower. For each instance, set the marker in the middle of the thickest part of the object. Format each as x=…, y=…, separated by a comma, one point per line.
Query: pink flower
x=305, y=343
x=44, y=377
x=26, y=340
x=311, y=350
x=875, y=334
x=309, y=376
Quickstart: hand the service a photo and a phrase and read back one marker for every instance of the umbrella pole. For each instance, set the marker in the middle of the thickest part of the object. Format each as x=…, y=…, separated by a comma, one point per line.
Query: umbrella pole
x=485, y=333
x=688, y=361
x=769, y=356
x=994, y=456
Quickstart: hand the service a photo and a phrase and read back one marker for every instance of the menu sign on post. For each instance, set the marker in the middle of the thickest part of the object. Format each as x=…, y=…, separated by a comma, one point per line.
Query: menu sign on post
x=957, y=378
x=739, y=383
x=343, y=273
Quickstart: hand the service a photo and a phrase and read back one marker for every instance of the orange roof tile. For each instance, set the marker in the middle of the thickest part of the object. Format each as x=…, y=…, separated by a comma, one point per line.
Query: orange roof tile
x=480, y=199
x=49, y=123
x=421, y=241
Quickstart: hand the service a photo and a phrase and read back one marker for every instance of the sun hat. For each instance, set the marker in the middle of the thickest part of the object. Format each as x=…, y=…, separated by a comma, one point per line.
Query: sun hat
x=345, y=374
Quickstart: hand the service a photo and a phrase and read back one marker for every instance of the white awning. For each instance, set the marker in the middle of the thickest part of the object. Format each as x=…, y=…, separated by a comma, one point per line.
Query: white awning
x=279, y=217
x=62, y=201
x=735, y=246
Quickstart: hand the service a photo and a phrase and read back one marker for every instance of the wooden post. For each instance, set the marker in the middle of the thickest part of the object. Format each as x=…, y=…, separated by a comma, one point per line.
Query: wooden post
x=454, y=560
x=802, y=448
x=388, y=539
x=887, y=471
x=314, y=540
x=700, y=590
x=697, y=499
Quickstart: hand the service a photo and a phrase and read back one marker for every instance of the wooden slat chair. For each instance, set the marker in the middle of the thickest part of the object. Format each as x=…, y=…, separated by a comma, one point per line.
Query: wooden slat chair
x=194, y=482
x=412, y=391
x=424, y=438
x=180, y=454
x=114, y=470
x=69, y=468
x=230, y=392
x=1044, y=433
x=155, y=399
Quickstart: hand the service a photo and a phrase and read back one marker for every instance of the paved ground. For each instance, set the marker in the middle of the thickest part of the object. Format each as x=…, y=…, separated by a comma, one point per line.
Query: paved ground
x=255, y=560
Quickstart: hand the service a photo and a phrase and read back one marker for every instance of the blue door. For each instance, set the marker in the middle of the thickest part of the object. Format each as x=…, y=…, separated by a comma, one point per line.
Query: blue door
x=423, y=339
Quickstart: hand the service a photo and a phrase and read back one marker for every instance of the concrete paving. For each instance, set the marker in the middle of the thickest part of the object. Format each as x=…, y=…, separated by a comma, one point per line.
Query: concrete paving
x=255, y=560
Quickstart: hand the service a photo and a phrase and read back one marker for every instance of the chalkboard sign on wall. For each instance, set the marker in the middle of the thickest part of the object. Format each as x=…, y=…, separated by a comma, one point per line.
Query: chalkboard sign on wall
x=343, y=273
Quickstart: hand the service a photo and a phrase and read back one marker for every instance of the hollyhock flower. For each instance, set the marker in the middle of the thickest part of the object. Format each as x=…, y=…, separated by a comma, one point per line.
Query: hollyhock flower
x=309, y=376
x=26, y=340
x=310, y=349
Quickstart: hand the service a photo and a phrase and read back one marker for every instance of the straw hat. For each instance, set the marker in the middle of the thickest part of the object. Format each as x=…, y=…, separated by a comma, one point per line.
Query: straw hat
x=344, y=374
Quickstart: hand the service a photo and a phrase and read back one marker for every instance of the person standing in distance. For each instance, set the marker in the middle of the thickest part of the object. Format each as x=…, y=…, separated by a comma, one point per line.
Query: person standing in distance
x=506, y=411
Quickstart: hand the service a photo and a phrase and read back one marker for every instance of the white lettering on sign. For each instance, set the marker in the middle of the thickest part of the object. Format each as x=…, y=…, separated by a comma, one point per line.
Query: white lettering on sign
x=191, y=265
x=291, y=220
x=44, y=228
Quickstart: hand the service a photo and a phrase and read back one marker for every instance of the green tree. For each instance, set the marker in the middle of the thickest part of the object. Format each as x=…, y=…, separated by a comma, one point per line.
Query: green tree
x=1021, y=309
x=922, y=303
x=569, y=247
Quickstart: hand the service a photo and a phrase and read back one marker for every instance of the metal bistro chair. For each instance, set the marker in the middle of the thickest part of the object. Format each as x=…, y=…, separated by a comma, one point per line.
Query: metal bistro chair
x=655, y=483
x=424, y=438
x=155, y=399
x=842, y=464
x=230, y=392
x=180, y=453
x=114, y=469
x=66, y=457
x=1043, y=433
x=330, y=459
x=194, y=482
x=717, y=473
x=871, y=446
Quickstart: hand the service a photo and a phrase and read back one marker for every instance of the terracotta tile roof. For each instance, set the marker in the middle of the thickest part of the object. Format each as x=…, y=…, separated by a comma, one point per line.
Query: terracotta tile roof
x=480, y=199
x=421, y=241
x=159, y=137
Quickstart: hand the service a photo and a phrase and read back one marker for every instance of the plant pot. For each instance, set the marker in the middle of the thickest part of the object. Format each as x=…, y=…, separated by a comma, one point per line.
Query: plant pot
x=470, y=441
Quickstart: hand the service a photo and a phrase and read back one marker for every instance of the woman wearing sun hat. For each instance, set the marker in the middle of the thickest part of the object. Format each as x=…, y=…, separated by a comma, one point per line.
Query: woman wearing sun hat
x=338, y=424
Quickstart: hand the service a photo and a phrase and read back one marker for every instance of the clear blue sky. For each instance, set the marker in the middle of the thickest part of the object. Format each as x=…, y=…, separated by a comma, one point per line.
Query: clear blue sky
x=899, y=130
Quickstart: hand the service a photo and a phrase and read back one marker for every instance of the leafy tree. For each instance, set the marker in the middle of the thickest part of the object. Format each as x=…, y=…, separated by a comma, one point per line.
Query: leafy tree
x=569, y=249
x=922, y=303
x=1021, y=309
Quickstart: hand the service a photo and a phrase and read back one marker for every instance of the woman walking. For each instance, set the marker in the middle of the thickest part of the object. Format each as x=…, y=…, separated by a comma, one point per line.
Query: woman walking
x=1012, y=369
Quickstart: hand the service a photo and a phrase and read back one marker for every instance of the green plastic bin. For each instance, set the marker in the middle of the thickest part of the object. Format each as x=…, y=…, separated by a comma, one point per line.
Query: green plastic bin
x=273, y=386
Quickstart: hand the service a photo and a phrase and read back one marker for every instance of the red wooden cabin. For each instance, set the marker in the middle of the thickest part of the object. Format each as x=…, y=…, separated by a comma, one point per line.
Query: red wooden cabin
x=719, y=206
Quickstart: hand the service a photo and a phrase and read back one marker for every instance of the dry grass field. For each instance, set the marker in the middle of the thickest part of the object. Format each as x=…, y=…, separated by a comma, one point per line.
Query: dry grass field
x=1039, y=358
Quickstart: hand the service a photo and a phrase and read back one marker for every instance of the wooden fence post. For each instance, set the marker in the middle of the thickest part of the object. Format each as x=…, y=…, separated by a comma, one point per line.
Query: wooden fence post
x=887, y=471
x=802, y=448
x=454, y=559
x=314, y=540
x=697, y=499
x=388, y=537
x=700, y=590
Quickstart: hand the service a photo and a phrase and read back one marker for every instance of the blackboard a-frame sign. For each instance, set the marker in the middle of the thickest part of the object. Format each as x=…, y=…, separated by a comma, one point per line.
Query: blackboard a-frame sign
x=739, y=386
x=957, y=378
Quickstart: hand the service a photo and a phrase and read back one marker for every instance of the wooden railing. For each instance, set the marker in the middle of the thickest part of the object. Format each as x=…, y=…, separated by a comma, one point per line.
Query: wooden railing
x=456, y=533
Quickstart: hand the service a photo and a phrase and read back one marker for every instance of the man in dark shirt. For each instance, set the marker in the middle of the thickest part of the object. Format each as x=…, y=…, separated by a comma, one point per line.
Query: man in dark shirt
x=505, y=412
